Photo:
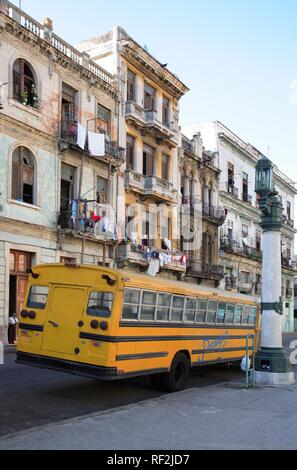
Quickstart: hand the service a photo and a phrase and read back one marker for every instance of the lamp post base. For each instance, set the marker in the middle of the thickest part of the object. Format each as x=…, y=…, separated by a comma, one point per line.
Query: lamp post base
x=272, y=367
x=274, y=379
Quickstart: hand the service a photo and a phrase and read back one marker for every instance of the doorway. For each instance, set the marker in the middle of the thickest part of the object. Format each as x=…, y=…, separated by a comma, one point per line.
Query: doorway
x=19, y=263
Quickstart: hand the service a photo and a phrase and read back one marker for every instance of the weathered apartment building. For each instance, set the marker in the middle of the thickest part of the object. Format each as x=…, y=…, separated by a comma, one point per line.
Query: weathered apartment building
x=240, y=236
x=57, y=178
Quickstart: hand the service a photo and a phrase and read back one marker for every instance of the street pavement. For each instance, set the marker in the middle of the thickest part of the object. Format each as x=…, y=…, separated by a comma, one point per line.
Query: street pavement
x=215, y=412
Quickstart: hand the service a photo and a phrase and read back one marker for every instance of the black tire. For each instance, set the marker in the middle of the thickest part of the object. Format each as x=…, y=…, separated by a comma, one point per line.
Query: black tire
x=176, y=379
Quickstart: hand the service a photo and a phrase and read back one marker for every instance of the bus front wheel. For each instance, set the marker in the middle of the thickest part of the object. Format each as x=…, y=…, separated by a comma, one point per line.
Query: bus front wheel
x=176, y=379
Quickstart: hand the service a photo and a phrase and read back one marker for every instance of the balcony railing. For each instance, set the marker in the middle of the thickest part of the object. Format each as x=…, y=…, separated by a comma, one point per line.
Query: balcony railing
x=218, y=214
x=207, y=271
x=39, y=30
x=68, y=133
x=82, y=223
x=247, y=198
x=155, y=185
x=231, y=189
x=289, y=263
x=135, y=111
x=230, y=246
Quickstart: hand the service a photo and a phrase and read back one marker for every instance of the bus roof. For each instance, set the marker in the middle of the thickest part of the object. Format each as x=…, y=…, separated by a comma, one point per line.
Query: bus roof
x=143, y=281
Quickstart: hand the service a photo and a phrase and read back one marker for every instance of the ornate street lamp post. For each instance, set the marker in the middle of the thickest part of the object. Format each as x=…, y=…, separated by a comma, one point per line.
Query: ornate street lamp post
x=272, y=366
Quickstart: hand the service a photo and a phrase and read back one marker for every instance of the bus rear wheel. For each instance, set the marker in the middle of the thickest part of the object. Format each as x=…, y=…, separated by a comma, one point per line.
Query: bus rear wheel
x=176, y=379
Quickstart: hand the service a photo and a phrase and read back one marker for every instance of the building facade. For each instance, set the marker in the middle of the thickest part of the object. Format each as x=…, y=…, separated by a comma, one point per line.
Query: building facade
x=57, y=196
x=199, y=183
x=241, y=236
x=148, y=129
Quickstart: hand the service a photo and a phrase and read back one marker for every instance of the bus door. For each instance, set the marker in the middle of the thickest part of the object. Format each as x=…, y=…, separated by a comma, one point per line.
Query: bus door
x=66, y=309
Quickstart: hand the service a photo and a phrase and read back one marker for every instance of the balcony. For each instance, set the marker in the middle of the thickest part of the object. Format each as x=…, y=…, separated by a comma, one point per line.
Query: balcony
x=158, y=186
x=148, y=185
x=130, y=254
x=231, y=246
x=81, y=224
x=289, y=263
x=68, y=134
x=288, y=221
x=215, y=214
x=134, y=180
x=135, y=112
x=232, y=190
x=202, y=270
x=247, y=198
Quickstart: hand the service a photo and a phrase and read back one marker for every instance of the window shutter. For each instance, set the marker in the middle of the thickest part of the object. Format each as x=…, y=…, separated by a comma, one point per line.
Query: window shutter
x=15, y=172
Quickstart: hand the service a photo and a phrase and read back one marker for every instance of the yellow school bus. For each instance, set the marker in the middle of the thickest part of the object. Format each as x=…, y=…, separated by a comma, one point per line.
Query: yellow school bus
x=108, y=324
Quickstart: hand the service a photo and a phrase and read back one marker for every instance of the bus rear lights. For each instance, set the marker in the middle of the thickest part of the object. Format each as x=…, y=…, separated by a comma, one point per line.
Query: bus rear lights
x=109, y=280
x=32, y=315
x=24, y=314
x=94, y=324
x=104, y=325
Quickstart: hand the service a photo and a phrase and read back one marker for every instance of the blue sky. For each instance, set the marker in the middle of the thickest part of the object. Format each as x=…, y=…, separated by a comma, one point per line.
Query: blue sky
x=238, y=57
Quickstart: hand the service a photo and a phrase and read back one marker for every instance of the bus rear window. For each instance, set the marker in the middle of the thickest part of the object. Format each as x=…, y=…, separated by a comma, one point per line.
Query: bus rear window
x=100, y=304
x=38, y=297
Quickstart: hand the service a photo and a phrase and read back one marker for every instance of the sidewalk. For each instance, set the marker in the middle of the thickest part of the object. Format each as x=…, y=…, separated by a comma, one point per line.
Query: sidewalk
x=224, y=416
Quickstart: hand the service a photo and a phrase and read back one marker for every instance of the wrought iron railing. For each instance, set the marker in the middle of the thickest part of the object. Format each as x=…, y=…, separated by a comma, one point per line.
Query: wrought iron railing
x=231, y=189
x=247, y=198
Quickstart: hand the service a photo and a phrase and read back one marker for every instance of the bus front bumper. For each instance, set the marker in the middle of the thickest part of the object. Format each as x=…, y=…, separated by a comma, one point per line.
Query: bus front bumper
x=69, y=367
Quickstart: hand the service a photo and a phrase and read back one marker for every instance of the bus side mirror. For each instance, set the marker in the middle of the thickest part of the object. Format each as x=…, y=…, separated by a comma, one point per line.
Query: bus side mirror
x=109, y=280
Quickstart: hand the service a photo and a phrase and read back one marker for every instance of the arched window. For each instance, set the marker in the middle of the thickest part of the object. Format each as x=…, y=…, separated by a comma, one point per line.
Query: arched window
x=24, y=84
x=22, y=175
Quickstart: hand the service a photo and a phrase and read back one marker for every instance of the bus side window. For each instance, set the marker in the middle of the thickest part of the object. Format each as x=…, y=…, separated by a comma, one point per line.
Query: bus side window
x=212, y=311
x=253, y=316
x=221, y=312
x=246, y=315
x=190, y=310
x=177, y=309
x=131, y=304
x=148, y=305
x=238, y=313
x=163, y=307
x=100, y=304
x=230, y=314
x=201, y=312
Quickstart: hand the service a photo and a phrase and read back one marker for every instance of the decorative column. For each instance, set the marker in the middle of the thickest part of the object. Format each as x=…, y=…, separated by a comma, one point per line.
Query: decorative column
x=272, y=365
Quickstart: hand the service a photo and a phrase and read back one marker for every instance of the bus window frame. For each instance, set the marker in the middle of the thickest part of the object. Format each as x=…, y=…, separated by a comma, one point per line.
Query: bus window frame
x=141, y=305
x=188, y=322
x=212, y=311
x=138, y=305
x=47, y=299
x=198, y=310
x=171, y=308
x=230, y=323
x=157, y=306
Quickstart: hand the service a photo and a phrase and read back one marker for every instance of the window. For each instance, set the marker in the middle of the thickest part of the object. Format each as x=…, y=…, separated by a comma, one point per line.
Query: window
x=148, y=305
x=103, y=122
x=245, y=315
x=131, y=304
x=221, y=312
x=165, y=112
x=24, y=84
x=238, y=313
x=245, y=186
x=130, y=152
x=165, y=167
x=177, y=309
x=149, y=98
x=212, y=311
x=131, y=79
x=22, y=181
x=253, y=315
x=201, y=311
x=100, y=304
x=231, y=181
x=245, y=277
x=230, y=313
x=245, y=231
x=38, y=297
x=258, y=240
x=148, y=161
x=163, y=307
x=102, y=190
x=190, y=310
x=289, y=210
